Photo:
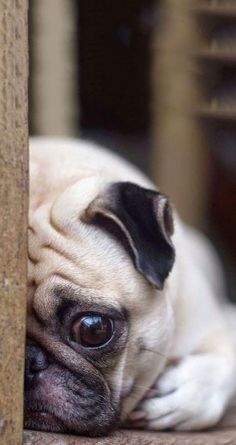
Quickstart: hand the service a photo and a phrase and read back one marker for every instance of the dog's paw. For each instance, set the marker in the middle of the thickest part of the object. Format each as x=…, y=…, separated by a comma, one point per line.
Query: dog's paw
x=191, y=395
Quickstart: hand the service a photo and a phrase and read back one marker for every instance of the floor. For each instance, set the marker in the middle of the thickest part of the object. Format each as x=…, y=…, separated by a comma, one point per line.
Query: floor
x=224, y=434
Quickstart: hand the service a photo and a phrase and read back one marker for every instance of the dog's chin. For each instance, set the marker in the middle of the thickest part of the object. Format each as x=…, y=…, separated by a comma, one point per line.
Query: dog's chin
x=44, y=420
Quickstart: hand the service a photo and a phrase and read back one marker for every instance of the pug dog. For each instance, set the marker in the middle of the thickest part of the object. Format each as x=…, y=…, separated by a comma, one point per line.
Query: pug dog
x=125, y=323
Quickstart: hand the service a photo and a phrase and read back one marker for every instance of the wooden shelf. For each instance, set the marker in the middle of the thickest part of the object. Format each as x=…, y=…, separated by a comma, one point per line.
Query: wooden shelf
x=217, y=55
x=221, y=113
x=217, y=11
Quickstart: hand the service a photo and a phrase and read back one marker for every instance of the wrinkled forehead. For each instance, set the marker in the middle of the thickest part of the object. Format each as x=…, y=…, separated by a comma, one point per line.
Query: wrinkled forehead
x=56, y=296
x=84, y=259
x=74, y=247
x=71, y=261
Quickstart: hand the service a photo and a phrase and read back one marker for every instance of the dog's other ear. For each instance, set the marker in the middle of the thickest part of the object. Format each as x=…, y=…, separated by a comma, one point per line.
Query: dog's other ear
x=141, y=219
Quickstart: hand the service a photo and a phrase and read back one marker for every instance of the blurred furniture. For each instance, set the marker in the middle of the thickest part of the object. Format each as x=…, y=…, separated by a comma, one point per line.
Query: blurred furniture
x=179, y=158
x=194, y=111
x=114, y=64
x=54, y=97
x=217, y=59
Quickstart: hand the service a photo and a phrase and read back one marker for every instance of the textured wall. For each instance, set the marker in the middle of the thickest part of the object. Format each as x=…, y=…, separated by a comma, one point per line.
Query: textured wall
x=13, y=216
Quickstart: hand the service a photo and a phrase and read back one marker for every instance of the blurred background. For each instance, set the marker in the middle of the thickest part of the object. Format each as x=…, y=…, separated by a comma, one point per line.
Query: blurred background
x=153, y=80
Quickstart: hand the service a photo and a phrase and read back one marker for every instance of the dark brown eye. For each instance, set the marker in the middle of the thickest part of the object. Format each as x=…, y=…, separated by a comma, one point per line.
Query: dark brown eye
x=92, y=331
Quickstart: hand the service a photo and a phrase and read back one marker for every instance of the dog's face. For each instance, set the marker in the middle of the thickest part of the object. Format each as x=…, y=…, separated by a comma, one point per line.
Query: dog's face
x=98, y=327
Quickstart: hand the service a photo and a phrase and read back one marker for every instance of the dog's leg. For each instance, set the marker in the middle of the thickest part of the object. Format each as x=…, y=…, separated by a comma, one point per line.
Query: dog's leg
x=190, y=395
x=194, y=392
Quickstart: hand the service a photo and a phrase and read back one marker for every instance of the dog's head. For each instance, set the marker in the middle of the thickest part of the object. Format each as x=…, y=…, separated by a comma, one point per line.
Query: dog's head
x=99, y=321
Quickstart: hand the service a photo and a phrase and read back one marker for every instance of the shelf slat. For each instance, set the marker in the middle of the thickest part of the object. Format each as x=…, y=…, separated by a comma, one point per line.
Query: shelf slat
x=219, y=55
x=221, y=113
x=218, y=11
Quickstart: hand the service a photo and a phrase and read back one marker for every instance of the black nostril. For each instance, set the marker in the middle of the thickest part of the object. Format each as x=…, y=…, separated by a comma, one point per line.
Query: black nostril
x=39, y=363
x=36, y=360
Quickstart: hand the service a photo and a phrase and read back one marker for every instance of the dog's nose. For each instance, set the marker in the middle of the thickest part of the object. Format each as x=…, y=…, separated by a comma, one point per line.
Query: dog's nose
x=36, y=361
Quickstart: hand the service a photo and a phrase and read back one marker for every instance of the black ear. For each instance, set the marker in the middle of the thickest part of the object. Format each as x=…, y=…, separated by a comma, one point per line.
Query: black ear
x=141, y=219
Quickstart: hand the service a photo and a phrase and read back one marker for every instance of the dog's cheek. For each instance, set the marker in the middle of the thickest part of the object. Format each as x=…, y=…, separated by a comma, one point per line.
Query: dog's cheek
x=147, y=351
x=118, y=380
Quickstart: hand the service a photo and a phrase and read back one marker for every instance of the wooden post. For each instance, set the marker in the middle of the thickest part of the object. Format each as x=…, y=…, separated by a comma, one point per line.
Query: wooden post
x=13, y=217
x=179, y=161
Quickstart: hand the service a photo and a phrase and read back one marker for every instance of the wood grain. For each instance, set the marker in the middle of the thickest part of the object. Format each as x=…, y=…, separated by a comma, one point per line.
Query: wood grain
x=13, y=216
